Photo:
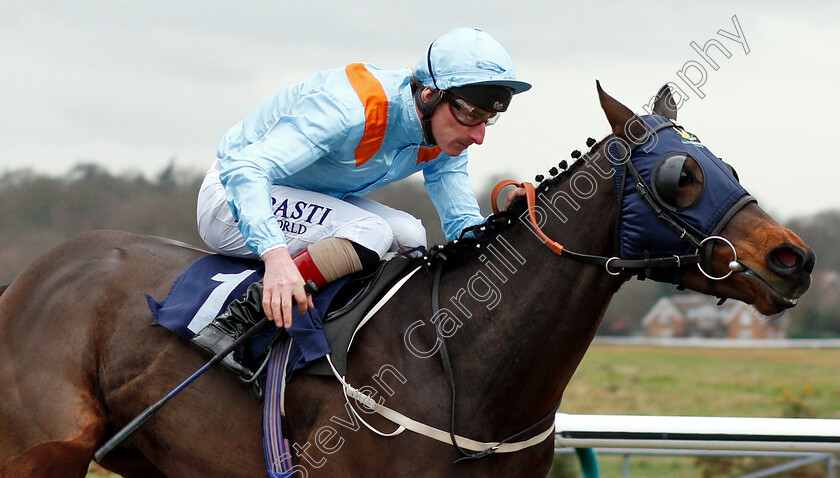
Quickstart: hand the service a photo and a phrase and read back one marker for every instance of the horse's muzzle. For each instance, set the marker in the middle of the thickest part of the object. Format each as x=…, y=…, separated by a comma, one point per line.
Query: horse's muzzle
x=793, y=266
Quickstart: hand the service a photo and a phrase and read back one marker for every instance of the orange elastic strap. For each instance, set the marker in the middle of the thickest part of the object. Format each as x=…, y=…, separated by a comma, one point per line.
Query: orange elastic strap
x=531, y=196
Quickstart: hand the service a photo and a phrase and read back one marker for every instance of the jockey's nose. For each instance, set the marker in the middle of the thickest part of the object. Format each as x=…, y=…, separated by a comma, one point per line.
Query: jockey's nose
x=477, y=133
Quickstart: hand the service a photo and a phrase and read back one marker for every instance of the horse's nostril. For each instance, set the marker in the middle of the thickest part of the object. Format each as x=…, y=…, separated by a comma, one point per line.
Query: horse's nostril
x=810, y=261
x=788, y=259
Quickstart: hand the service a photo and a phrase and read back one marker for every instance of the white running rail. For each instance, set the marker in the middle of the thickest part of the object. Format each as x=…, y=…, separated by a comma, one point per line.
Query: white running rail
x=706, y=433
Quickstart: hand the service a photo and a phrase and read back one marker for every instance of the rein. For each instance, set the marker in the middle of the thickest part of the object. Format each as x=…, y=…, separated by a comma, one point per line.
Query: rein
x=450, y=378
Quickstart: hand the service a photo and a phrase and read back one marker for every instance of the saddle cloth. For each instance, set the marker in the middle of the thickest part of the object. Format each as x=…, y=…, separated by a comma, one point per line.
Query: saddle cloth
x=210, y=283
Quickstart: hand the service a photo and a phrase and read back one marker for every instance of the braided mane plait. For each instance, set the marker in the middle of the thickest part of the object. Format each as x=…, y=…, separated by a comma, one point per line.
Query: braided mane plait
x=519, y=205
x=460, y=250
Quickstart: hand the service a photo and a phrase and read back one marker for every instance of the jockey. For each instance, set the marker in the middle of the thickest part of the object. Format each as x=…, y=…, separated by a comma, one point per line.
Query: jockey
x=288, y=183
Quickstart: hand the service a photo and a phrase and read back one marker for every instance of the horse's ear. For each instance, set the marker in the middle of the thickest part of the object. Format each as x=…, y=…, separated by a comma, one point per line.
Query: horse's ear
x=620, y=117
x=664, y=105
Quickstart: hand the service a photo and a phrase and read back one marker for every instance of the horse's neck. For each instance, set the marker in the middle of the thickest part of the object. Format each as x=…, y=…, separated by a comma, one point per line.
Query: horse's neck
x=547, y=308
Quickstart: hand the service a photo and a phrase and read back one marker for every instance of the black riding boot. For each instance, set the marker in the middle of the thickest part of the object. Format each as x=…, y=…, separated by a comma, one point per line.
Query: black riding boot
x=241, y=315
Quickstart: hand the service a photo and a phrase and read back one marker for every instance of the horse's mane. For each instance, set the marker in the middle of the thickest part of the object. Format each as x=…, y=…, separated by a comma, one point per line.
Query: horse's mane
x=556, y=177
x=461, y=250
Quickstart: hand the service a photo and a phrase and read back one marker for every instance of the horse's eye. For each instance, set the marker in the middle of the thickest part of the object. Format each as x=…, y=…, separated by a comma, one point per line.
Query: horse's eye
x=686, y=178
x=678, y=180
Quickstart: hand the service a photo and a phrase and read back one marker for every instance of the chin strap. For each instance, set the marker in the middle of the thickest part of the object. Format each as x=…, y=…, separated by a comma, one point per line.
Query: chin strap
x=427, y=108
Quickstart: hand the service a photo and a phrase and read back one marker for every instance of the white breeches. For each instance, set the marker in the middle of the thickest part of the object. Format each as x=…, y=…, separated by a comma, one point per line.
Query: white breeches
x=306, y=217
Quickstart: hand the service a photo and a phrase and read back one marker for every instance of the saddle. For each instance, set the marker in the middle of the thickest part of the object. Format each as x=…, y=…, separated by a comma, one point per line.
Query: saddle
x=195, y=299
x=349, y=307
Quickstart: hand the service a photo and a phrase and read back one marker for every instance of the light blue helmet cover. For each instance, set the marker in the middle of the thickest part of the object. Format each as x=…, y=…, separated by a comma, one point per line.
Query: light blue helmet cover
x=467, y=56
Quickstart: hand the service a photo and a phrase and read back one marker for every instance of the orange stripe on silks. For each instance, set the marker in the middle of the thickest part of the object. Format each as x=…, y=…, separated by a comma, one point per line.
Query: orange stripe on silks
x=424, y=154
x=376, y=110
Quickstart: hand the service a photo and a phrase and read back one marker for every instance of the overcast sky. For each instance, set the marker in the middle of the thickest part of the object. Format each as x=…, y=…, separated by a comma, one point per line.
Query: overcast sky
x=131, y=85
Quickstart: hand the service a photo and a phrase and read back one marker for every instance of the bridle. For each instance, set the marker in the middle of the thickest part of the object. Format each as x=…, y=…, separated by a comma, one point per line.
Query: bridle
x=614, y=265
x=618, y=266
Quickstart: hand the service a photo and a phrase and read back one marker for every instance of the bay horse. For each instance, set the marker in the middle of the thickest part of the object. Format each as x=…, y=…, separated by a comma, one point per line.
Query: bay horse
x=78, y=359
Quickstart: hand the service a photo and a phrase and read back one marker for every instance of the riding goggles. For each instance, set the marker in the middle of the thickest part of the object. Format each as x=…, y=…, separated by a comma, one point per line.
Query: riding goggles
x=468, y=114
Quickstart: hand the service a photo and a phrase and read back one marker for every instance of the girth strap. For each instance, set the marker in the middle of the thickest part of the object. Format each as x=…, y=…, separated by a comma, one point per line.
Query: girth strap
x=443, y=436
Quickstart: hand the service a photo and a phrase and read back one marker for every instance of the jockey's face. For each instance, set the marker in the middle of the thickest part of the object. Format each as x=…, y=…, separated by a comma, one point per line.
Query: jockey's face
x=452, y=136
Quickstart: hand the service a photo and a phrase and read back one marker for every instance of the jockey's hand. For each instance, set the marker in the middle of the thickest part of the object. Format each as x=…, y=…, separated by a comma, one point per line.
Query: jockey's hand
x=513, y=194
x=282, y=284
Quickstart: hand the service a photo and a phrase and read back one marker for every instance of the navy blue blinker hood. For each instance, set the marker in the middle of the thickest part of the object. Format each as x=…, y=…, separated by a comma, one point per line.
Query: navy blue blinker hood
x=640, y=233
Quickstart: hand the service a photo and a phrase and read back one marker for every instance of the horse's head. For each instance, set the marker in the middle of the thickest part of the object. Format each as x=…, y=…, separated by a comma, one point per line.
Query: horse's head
x=678, y=200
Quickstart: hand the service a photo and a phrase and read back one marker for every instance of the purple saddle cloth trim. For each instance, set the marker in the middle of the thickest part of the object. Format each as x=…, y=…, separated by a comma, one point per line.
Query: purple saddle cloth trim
x=278, y=453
